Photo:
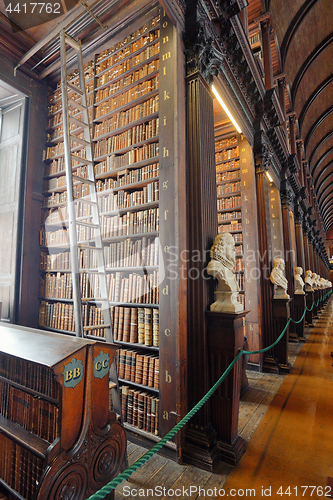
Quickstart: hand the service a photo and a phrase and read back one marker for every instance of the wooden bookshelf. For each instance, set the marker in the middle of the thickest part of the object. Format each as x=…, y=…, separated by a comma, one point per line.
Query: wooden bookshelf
x=55, y=399
x=229, y=200
x=123, y=91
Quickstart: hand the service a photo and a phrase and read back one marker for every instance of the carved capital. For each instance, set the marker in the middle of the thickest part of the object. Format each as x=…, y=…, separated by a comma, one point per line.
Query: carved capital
x=262, y=152
x=281, y=81
x=287, y=195
x=201, y=54
x=292, y=118
x=272, y=108
x=298, y=212
x=303, y=193
x=233, y=7
x=292, y=164
x=265, y=23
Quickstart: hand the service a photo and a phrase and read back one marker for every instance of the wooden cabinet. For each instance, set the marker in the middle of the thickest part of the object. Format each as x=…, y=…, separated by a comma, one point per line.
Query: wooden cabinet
x=57, y=433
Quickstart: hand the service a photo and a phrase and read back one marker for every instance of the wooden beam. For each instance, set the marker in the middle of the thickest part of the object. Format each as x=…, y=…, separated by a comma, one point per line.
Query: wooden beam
x=75, y=13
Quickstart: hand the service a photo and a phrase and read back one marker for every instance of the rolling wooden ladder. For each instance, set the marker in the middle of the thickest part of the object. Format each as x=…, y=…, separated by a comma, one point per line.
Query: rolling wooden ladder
x=89, y=199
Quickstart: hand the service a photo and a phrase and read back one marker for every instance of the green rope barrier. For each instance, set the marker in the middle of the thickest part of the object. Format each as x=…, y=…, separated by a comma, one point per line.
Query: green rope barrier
x=105, y=490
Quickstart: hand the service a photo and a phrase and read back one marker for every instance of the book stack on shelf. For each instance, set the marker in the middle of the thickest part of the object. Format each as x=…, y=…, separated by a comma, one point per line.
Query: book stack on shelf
x=123, y=92
x=229, y=201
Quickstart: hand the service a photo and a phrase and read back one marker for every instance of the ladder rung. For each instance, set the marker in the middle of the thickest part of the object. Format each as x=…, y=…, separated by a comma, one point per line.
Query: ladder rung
x=76, y=104
x=73, y=43
x=94, y=299
x=77, y=122
x=81, y=160
x=92, y=327
x=81, y=244
x=79, y=140
x=85, y=200
x=75, y=88
x=87, y=224
x=83, y=180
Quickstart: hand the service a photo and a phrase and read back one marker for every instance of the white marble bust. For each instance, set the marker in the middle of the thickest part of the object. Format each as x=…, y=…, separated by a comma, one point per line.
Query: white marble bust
x=223, y=260
x=322, y=283
x=279, y=280
x=308, y=281
x=314, y=281
x=299, y=283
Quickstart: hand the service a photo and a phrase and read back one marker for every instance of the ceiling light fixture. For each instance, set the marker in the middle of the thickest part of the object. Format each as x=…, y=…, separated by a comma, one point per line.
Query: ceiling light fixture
x=220, y=100
x=269, y=177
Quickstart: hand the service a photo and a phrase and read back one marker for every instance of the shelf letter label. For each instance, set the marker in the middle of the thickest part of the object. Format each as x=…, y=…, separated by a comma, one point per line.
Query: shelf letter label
x=73, y=373
x=167, y=377
x=165, y=290
x=165, y=415
x=101, y=365
x=167, y=332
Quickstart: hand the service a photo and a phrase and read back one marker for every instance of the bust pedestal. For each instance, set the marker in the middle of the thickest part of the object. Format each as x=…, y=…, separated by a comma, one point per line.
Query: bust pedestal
x=309, y=302
x=299, y=306
x=225, y=338
x=281, y=315
x=315, y=307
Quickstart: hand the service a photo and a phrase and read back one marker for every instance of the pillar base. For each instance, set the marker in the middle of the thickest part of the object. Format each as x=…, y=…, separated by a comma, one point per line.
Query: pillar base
x=232, y=453
x=201, y=449
x=281, y=315
x=271, y=365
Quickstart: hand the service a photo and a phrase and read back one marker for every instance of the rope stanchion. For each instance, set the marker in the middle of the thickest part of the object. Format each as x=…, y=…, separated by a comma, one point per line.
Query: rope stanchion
x=105, y=490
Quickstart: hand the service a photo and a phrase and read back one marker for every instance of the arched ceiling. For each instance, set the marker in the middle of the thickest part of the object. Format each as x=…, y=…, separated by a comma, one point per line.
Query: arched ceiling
x=304, y=32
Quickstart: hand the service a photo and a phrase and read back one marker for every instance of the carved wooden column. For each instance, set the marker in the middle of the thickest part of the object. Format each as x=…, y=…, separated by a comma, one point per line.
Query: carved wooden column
x=292, y=139
x=309, y=294
x=282, y=99
x=298, y=212
x=264, y=231
x=299, y=147
x=311, y=259
x=266, y=31
x=286, y=201
x=200, y=446
x=306, y=247
x=299, y=299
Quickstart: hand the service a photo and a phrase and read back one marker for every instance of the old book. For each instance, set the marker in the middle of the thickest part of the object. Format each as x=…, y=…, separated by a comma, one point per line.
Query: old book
x=134, y=325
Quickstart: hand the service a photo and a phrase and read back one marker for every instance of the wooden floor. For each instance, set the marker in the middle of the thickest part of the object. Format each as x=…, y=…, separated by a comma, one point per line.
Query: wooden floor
x=160, y=472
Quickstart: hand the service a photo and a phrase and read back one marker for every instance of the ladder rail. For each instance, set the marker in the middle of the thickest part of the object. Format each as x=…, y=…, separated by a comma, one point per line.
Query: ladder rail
x=93, y=202
x=70, y=196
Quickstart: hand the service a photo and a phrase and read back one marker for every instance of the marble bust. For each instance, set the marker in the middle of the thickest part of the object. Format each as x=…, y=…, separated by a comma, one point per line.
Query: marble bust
x=314, y=281
x=279, y=280
x=308, y=281
x=322, y=283
x=299, y=283
x=223, y=260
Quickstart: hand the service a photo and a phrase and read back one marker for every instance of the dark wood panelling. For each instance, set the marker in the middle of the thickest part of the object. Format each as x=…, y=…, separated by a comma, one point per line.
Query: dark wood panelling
x=202, y=229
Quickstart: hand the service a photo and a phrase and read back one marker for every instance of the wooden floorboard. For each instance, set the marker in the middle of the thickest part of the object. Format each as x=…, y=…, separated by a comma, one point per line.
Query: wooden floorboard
x=159, y=472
